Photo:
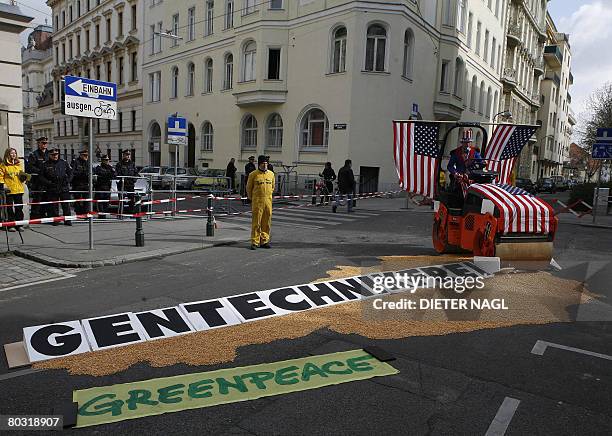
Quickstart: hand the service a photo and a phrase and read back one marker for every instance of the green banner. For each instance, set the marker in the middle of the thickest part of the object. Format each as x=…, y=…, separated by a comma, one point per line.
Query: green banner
x=102, y=405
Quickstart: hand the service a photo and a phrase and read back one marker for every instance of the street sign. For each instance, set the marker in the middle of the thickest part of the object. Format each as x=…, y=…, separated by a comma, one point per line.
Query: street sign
x=177, y=130
x=602, y=149
x=340, y=126
x=90, y=98
x=415, y=109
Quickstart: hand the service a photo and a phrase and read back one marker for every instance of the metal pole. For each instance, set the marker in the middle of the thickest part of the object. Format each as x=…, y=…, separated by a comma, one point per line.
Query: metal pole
x=597, y=194
x=210, y=222
x=91, y=140
x=176, y=161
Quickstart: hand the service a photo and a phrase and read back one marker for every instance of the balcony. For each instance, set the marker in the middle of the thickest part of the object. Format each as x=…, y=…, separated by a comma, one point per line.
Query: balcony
x=553, y=56
x=571, y=78
x=514, y=34
x=571, y=117
x=536, y=99
x=509, y=78
x=569, y=98
x=538, y=67
x=550, y=75
x=261, y=93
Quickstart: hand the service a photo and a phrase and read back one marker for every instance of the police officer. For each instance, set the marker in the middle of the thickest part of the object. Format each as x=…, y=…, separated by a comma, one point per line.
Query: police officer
x=56, y=176
x=80, y=181
x=34, y=167
x=346, y=183
x=248, y=169
x=260, y=187
x=105, y=174
x=126, y=172
x=230, y=173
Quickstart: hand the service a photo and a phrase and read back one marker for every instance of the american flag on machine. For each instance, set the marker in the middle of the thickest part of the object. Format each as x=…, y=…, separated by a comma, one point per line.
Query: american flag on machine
x=520, y=211
x=416, y=155
x=504, y=146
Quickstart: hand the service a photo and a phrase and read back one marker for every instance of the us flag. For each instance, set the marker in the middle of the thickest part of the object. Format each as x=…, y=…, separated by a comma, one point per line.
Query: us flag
x=505, y=145
x=520, y=211
x=416, y=156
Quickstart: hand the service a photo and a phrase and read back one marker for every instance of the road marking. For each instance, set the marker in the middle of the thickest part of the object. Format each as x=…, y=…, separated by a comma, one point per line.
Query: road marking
x=39, y=282
x=279, y=216
x=540, y=347
x=10, y=375
x=502, y=419
x=276, y=222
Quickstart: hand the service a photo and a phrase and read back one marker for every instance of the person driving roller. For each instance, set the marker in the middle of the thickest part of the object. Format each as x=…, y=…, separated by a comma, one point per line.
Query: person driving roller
x=463, y=160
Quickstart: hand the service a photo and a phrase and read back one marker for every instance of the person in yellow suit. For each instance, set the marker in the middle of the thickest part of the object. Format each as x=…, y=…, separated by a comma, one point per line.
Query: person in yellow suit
x=12, y=178
x=259, y=189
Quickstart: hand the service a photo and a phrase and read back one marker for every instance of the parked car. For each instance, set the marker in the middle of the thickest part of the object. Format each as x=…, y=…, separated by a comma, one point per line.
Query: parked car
x=184, y=183
x=212, y=180
x=560, y=183
x=546, y=185
x=526, y=184
x=571, y=183
x=155, y=174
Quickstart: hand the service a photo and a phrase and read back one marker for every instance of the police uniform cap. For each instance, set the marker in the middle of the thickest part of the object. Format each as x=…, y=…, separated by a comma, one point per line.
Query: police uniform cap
x=54, y=151
x=105, y=157
x=261, y=159
x=42, y=139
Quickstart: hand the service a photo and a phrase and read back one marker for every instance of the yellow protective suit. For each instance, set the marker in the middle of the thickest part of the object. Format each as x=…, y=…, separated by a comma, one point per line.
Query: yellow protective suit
x=9, y=175
x=259, y=189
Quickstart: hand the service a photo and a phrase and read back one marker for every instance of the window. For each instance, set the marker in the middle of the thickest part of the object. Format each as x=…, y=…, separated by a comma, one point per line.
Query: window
x=408, y=53
x=133, y=17
x=458, y=77
x=207, y=136
x=276, y=4
x=493, y=46
x=448, y=13
x=134, y=64
x=63, y=52
x=274, y=58
x=120, y=120
x=469, y=34
x=97, y=35
x=70, y=49
x=191, y=24
x=228, y=79
x=338, y=63
x=376, y=48
x=175, y=29
x=190, y=78
x=444, y=76
x=78, y=45
x=478, y=33
x=153, y=40
x=229, y=14
x=485, y=55
x=314, y=129
x=63, y=18
x=87, y=40
x=108, y=29
x=208, y=75
x=155, y=85
x=250, y=53
x=249, y=6
x=120, y=70
x=461, y=15
x=158, y=38
x=275, y=131
x=174, y=82
x=489, y=102
x=120, y=24
x=210, y=15
x=57, y=58
x=109, y=71
x=98, y=73
x=56, y=23
x=249, y=132
x=133, y=120
x=473, y=94
x=481, y=101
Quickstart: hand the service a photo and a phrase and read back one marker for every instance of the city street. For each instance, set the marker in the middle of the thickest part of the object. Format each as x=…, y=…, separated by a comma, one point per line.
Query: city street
x=451, y=380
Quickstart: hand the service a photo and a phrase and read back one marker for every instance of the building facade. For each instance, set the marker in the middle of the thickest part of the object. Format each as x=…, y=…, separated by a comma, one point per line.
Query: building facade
x=307, y=82
x=36, y=71
x=556, y=115
x=102, y=40
x=12, y=23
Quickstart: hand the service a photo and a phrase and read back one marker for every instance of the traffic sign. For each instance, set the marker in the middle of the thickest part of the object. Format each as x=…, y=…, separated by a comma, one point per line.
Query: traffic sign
x=177, y=130
x=602, y=149
x=90, y=98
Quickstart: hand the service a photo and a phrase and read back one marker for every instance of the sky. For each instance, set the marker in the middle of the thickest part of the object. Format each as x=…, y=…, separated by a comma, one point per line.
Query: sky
x=587, y=22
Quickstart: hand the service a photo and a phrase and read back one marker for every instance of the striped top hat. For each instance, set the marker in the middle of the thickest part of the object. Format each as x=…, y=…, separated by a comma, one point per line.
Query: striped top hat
x=468, y=136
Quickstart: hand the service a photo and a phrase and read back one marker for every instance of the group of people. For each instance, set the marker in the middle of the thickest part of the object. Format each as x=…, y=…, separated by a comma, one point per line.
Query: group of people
x=50, y=178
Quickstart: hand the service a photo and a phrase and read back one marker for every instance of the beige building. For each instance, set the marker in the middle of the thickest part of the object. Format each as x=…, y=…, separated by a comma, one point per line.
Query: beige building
x=102, y=40
x=311, y=81
x=12, y=23
x=37, y=82
x=556, y=115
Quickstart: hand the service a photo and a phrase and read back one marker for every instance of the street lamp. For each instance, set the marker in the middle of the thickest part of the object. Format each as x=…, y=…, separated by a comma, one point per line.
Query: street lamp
x=505, y=114
x=168, y=34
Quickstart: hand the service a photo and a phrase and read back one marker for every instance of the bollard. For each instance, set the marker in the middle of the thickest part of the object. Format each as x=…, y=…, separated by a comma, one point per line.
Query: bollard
x=210, y=223
x=139, y=235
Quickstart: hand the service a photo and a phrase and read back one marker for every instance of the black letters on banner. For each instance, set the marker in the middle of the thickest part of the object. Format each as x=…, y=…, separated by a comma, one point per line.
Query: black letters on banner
x=279, y=299
x=350, y=290
x=152, y=322
x=250, y=306
x=322, y=290
x=67, y=344
x=208, y=311
x=107, y=330
x=460, y=269
x=435, y=271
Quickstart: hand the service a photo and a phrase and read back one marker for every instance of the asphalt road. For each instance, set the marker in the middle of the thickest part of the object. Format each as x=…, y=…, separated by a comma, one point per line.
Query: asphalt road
x=451, y=384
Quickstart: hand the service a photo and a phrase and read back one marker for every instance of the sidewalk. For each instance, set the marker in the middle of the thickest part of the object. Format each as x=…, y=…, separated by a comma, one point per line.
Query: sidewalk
x=601, y=222
x=114, y=243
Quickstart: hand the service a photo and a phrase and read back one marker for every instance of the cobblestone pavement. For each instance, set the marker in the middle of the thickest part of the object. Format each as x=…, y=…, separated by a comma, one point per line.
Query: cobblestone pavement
x=16, y=271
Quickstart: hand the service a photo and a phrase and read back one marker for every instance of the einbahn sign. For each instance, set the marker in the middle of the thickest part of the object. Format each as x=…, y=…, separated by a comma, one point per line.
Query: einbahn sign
x=90, y=98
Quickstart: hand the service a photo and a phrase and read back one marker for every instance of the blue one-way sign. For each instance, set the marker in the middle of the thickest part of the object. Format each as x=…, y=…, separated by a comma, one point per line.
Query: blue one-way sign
x=177, y=130
x=602, y=149
x=90, y=98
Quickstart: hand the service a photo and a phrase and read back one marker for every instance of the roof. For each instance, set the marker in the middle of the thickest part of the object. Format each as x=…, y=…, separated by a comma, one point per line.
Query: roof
x=13, y=12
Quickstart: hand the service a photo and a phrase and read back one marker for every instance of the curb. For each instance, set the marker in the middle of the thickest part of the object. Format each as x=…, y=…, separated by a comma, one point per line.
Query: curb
x=597, y=226
x=128, y=258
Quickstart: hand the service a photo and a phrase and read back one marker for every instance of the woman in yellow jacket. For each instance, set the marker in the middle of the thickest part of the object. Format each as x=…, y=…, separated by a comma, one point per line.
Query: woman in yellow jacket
x=13, y=178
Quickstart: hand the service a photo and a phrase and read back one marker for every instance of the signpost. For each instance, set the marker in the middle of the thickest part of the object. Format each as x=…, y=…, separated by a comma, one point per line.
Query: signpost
x=602, y=150
x=177, y=136
x=91, y=99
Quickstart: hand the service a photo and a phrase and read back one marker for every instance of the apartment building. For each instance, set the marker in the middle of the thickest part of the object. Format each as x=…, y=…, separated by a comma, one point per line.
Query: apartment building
x=308, y=82
x=37, y=83
x=102, y=40
x=556, y=115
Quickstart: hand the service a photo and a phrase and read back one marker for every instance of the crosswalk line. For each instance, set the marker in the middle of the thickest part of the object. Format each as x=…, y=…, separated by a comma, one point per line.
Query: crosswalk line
x=274, y=222
x=326, y=218
x=340, y=214
x=313, y=221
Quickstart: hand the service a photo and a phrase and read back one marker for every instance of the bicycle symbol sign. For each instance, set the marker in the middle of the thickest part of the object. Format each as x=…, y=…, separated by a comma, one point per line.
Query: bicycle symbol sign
x=90, y=98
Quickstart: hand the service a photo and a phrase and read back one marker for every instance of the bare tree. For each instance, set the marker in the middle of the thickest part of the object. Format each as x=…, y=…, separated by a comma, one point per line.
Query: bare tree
x=598, y=115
